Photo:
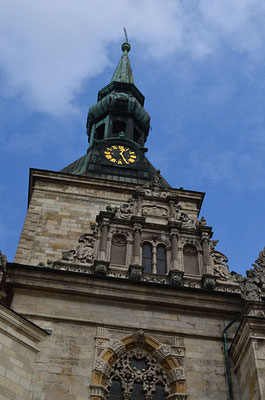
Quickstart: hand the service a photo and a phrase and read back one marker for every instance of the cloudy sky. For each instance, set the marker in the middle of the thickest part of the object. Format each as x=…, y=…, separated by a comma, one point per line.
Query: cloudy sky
x=200, y=65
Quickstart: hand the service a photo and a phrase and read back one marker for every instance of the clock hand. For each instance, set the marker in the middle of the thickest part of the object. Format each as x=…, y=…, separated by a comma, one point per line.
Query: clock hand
x=121, y=154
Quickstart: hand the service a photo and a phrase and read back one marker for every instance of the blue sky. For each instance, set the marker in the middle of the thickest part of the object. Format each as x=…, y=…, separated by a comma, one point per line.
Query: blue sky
x=200, y=65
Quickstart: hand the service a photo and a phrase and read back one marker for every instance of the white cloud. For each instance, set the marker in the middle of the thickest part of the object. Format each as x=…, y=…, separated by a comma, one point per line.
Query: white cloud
x=48, y=49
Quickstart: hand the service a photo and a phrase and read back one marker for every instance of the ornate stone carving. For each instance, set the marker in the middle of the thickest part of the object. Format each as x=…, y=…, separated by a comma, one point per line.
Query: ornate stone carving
x=138, y=366
x=118, y=348
x=186, y=221
x=101, y=267
x=84, y=252
x=154, y=210
x=251, y=285
x=208, y=281
x=140, y=337
x=162, y=352
x=176, y=374
x=99, y=391
x=176, y=277
x=126, y=210
x=135, y=272
x=219, y=260
x=101, y=366
x=3, y=264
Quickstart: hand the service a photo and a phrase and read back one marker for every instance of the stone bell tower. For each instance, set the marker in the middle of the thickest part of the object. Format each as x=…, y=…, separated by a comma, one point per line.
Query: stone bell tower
x=117, y=290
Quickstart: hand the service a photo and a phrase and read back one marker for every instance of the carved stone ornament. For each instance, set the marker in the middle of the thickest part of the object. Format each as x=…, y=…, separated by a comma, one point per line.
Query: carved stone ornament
x=101, y=267
x=101, y=366
x=140, y=338
x=154, y=210
x=176, y=374
x=135, y=272
x=176, y=277
x=219, y=261
x=125, y=211
x=162, y=352
x=118, y=348
x=138, y=366
x=209, y=281
x=251, y=285
x=84, y=252
x=3, y=263
x=186, y=221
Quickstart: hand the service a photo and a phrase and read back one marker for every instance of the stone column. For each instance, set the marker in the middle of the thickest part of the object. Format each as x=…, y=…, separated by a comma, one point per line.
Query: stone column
x=103, y=240
x=174, y=251
x=136, y=244
x=154, y=269
x=171, y=210
x=206, y=253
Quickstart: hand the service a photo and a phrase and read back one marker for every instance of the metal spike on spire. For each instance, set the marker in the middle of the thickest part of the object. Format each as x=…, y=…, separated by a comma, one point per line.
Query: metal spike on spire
x=126, y=36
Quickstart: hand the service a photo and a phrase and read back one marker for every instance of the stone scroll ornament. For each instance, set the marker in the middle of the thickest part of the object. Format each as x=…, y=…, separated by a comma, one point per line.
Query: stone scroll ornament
x=84, y=252
x=251, y=285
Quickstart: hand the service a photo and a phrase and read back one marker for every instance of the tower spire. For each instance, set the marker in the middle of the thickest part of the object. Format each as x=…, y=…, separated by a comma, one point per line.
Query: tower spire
x=123, y=72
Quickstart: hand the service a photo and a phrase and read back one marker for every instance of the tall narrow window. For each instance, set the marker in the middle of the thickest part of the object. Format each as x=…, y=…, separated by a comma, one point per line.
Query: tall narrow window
x=161, y=259
x=147, y=258
x=99, y=132
x=159, y=393
x=115, y=391
x=137, y=392
x=118, y=249
x=191, y=263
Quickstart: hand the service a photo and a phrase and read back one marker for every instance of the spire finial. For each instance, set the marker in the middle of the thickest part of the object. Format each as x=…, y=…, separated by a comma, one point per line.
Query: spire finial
x=125, y=45
x=125, y=34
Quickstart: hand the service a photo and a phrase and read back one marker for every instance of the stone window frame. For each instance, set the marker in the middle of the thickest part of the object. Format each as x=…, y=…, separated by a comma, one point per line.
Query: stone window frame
x=195, y=243
x=128, y=247
x=154, y=244
x=162, y=354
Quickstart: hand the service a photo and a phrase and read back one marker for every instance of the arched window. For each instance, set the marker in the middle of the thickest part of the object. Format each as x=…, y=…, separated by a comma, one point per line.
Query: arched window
x=147, y=257
x=161, y=259
x=118, y=126
x=118, y=249
x=99, y=132
x=191, y=263
x=137, y=376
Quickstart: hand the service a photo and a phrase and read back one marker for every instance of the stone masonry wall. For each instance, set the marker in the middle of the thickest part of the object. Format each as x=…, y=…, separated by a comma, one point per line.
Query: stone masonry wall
x=17, y=355
x=65, y=362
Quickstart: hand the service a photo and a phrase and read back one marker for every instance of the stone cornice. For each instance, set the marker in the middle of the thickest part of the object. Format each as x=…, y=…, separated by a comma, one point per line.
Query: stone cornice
x=110, y=289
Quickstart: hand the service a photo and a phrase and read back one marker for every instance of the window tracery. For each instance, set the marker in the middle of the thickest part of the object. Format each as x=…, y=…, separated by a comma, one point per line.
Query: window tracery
x=154, y=258
x=137, y=376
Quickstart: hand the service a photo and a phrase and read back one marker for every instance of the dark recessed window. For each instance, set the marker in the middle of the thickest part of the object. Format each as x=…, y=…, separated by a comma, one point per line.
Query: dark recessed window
x=118, y=127
x=147, y=258
x=99, y=132
x=136, y=136
x=161, y=259
x=115, y=391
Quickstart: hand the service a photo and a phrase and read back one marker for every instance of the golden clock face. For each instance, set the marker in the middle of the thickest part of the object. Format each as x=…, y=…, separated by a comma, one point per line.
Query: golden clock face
x=120, y=155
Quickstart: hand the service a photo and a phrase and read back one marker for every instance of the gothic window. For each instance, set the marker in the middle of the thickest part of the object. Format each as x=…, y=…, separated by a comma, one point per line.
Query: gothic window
x=137, y=376
x=147, y=258
x=191, y=263
x=99, y=132
x=161, y=259
x=118, y=249
x=118, y=126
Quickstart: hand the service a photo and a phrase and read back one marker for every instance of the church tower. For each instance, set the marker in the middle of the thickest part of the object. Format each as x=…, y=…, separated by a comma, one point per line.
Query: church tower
x=117, y=290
